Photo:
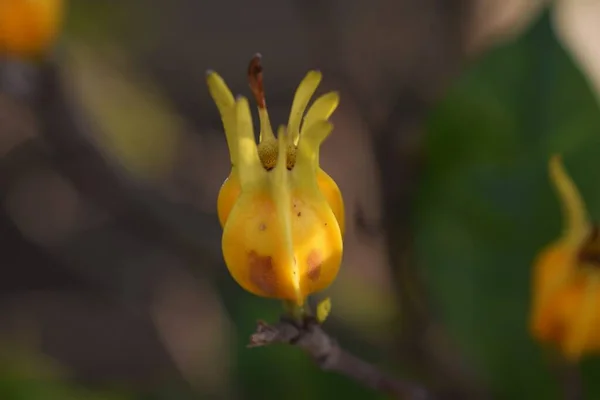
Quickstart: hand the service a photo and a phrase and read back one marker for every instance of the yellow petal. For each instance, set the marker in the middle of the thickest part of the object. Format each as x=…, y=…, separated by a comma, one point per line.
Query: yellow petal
x=225, y=102
x=305, y=90
x=307, y=157
x=576, y=223
x=321, y=109
x=219, y=91
x=250, y=168
x=281, y=192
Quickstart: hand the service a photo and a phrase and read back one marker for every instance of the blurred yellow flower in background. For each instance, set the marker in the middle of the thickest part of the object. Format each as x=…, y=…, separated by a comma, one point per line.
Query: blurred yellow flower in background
x=282, y=215
x=566, y=280
x=29, y=28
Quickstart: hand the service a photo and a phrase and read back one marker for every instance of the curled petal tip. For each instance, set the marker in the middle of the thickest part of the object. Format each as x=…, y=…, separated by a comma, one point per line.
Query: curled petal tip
x=314, y=74
x=575, y=214
x=212, y=75
x=317, y=132
x=337, y=98
x=324, y=126
x=312, y=138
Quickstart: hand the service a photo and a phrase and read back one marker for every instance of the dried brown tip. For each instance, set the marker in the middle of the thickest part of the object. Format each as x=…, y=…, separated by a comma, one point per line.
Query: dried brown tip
x=255, y=78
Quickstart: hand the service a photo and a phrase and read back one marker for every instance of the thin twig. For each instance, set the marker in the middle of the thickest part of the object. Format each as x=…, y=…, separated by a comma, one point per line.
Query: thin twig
x=330, y=356
x=570, y=378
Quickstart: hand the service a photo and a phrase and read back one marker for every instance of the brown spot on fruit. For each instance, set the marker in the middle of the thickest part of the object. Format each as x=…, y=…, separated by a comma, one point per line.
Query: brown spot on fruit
x=262, y=273
x=314, y=262
x=299, y=214
x=262, y=227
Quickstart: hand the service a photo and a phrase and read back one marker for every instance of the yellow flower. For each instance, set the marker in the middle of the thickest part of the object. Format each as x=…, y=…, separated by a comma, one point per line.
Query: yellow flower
x=282, y=215
x=29, y=28
x=566, y=279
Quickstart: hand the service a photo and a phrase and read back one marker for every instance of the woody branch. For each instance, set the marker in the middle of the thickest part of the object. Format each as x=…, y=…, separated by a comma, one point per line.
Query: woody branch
x=330, y=356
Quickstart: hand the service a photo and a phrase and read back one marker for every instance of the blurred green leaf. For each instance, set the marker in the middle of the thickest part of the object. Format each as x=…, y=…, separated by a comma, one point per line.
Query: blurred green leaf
x=486, y=206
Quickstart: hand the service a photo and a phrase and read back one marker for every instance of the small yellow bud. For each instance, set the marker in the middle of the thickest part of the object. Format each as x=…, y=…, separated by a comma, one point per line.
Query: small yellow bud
x=323, y=310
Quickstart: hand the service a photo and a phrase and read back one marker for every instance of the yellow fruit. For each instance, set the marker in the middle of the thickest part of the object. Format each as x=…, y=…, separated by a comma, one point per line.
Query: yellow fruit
x=282, y=215
x=279, y=246
x=29, y=28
